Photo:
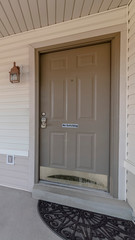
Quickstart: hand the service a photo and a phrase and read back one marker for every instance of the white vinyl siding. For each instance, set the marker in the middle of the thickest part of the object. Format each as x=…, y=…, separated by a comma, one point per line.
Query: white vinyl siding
x=130, y=163
x=14, y=116
x=14, y=100
x=15, y=176
x=131, y=87
x=131, y=189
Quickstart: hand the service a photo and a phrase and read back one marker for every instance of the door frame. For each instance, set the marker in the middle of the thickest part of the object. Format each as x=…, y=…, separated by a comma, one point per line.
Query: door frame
x=118, y=41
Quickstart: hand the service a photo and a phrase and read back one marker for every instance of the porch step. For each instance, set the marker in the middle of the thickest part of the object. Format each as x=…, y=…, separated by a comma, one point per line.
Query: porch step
x=95, y=201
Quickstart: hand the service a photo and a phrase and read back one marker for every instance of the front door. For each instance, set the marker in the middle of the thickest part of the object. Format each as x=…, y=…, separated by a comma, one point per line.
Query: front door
x=75, y=100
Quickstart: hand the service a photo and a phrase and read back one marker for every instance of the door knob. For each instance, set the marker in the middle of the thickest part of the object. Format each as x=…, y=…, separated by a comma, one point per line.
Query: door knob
x=43, y=120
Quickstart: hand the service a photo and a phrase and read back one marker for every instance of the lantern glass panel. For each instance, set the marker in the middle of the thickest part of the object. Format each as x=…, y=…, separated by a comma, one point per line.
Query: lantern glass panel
x=13, y=77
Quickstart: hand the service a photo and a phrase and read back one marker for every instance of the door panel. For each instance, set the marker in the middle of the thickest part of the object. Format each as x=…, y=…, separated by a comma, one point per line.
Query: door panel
x=57, y=99
x=58, y=141
x=86, y=151
x=86, y=94
x=71, y=95
x=75, y=89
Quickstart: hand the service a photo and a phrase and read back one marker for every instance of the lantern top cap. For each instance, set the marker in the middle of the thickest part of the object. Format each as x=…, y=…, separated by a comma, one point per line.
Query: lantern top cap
x=15, y=69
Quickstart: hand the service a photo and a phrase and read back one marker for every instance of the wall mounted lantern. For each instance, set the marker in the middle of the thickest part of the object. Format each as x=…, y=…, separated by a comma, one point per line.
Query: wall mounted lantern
x=14, y=74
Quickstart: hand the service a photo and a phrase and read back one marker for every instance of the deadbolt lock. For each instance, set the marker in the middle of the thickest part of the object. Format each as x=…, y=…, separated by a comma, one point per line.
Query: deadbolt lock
x=43, y=120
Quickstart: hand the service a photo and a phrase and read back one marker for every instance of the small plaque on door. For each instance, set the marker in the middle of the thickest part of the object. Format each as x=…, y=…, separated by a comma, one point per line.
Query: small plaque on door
x=70, y=125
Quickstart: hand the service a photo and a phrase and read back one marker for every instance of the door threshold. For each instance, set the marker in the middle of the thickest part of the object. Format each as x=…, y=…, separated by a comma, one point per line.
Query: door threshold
x=95, y=201
x=97, y=192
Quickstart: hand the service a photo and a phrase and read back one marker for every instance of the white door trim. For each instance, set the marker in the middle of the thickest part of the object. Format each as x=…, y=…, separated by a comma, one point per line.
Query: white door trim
x=122, y=99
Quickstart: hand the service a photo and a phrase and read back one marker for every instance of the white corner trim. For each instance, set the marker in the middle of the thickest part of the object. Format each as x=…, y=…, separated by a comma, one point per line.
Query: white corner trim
x=129, y=166
x=122, y=114
x=14, y=152
x=32, y=83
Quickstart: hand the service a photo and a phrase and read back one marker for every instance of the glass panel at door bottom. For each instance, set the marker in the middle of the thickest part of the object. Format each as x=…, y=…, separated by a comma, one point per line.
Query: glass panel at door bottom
x=75, y=178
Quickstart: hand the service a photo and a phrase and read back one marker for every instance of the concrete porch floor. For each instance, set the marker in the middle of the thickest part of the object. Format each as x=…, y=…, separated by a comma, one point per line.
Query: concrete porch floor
x=19, y=219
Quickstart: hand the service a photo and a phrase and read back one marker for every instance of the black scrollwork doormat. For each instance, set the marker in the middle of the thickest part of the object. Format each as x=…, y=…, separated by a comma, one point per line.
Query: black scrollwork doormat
x=75, y=224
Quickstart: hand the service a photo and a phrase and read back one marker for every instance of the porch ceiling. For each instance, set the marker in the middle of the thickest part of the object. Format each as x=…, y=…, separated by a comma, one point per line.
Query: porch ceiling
x=23, y=15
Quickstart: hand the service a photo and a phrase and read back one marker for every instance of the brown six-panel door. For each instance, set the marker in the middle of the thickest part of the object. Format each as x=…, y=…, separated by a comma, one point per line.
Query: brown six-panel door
x=75, y=95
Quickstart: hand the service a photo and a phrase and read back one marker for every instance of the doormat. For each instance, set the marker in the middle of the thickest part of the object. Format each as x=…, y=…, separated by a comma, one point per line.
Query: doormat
x=76, y=224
